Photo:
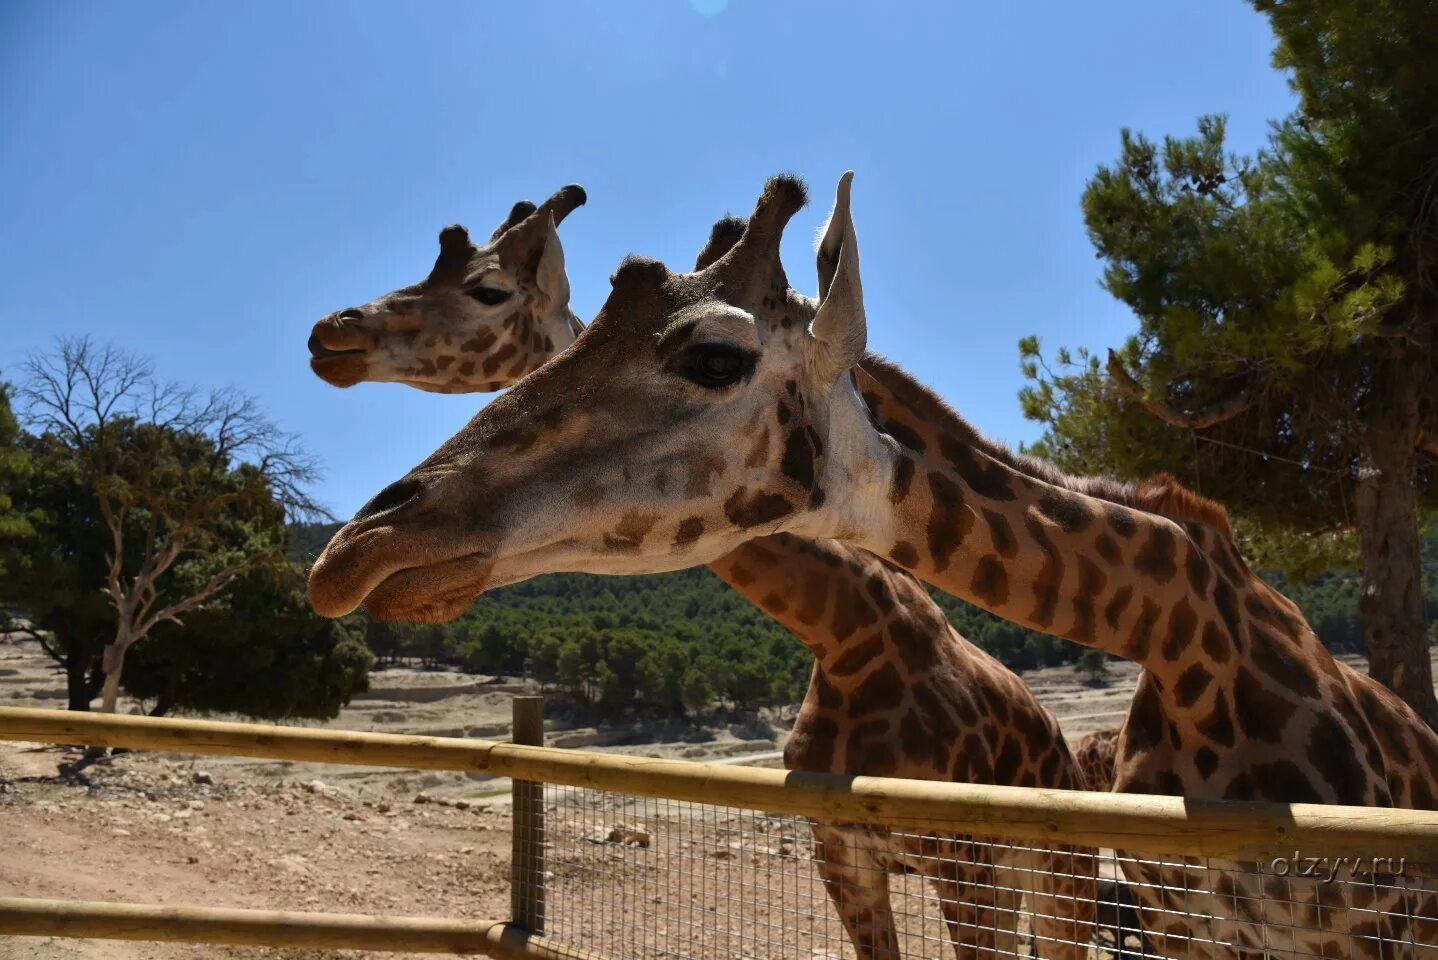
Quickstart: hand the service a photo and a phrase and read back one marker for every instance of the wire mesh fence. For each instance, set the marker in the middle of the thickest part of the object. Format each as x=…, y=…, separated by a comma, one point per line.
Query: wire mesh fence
x=632, y=857
x=641, y=877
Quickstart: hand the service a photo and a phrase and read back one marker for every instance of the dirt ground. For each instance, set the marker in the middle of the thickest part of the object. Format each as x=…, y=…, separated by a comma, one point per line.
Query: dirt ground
x=232, y=832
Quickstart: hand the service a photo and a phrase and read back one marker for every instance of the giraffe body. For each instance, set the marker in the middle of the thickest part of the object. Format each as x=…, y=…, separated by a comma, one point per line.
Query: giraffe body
x=1097, y=753
x=766, y=403
x=898, y=692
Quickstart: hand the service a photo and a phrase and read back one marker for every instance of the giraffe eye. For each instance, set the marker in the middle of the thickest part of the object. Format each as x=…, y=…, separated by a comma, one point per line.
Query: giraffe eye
x=716, y=365
x=490, y=296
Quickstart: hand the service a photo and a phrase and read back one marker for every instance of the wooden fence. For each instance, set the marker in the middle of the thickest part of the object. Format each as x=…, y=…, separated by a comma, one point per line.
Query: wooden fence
x=1176, y=826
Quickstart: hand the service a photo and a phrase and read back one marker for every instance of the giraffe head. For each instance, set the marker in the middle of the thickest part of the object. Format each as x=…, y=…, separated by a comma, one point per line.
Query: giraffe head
x=485, y=315
x=483, y=368
x=698, y=411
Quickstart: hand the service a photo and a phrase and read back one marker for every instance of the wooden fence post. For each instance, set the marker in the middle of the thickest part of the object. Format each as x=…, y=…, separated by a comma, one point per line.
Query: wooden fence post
x=526, y=878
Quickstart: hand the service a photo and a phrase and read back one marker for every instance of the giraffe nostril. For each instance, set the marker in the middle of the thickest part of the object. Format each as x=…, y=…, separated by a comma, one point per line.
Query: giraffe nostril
x=395, y=495
x=351, y=313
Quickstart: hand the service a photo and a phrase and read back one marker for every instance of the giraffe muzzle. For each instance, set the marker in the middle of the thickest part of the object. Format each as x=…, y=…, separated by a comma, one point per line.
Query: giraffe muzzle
x=430, y=594
x=379, y=569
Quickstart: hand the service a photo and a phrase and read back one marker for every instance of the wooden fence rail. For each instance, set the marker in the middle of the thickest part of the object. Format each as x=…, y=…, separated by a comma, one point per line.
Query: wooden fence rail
x=1147, y=824
x=274, y=928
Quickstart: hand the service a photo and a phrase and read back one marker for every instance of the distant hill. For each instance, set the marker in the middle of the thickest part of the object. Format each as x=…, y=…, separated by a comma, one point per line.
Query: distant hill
x=588, y=633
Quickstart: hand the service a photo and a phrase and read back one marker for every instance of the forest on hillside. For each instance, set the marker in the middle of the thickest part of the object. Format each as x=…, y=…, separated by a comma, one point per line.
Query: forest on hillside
x=676, y=642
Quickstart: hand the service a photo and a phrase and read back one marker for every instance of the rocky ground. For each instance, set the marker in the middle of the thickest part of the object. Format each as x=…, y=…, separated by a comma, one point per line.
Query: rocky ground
x=160, y=830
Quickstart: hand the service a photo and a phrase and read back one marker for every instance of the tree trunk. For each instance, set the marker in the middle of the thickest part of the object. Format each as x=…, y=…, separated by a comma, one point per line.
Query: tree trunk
x=114, y=663
x=1394, y=627
x=78, y=689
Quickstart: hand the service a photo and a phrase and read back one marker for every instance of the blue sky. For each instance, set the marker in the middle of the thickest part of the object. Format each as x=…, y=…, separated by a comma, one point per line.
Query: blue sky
x=201, y=182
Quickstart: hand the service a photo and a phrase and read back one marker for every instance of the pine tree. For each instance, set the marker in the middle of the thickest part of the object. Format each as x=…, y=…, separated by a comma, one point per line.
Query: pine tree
x=1287, y=302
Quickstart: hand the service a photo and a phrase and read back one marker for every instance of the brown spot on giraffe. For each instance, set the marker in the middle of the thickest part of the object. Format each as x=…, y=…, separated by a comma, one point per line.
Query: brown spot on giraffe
x=904, y=554
x=701, y=474
x=1192, y=684
x=745, y=509
x=629, y=535
x=1137, y=645
x=1001, y=533
x=948, y=523
x=991, y=581
x=1217, y=726
x=1182, y=622
x=589, y=493
x=903, y=479
x=1156, y=559
x=689, y=531
x=1113, y=610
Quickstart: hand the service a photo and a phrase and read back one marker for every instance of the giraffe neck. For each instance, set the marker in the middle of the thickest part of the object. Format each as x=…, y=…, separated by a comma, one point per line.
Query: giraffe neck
x=1237, y=694
x=850, y=609
x=1073, y=557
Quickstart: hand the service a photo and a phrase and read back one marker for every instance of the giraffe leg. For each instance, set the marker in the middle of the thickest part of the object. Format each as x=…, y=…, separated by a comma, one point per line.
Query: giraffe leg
x=1060, y=887
x=1066, y=901
x=982, y=918
x=857, y=882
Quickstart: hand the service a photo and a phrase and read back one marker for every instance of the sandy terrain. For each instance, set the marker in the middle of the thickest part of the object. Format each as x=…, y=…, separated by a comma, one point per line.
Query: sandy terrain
x=232, y=832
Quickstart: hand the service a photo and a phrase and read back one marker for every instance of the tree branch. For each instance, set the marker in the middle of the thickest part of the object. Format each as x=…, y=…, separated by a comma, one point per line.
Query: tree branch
x=1214, y=415
x=215, y=584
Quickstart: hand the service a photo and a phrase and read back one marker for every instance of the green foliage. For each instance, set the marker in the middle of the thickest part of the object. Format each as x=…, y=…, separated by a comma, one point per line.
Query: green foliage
x=1287, y=307
x=254, y=648
x=1289, y=294
x=698, y=691
x=621, y=643
x=1094, y=665
x=16, y=531
x=307, y=540
x=56, y=579
x=1211, y=254
x=257, y=649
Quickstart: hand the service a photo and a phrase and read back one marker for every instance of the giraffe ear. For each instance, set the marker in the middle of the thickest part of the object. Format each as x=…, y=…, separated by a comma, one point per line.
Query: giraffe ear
x=831, y=238
x=531, y=248
x=550, y=275
x=839, y=329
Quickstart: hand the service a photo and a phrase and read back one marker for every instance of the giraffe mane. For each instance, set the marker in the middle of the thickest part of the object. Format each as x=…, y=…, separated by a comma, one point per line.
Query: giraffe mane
x=1160, y=494
x=1163, y=494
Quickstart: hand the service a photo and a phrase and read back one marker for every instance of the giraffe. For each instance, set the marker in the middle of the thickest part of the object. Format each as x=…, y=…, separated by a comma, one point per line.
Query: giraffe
x=975, y=721
x=1237, y=698
x=1097, y=753
x=485, y=315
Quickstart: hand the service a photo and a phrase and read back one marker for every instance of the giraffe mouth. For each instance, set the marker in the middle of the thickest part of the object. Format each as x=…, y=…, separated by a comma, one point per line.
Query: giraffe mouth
x=318, y=351
x=431, y=593
x=339, y=368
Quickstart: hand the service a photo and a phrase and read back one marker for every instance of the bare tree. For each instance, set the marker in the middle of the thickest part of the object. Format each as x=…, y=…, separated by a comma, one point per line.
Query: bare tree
x=169, y=466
